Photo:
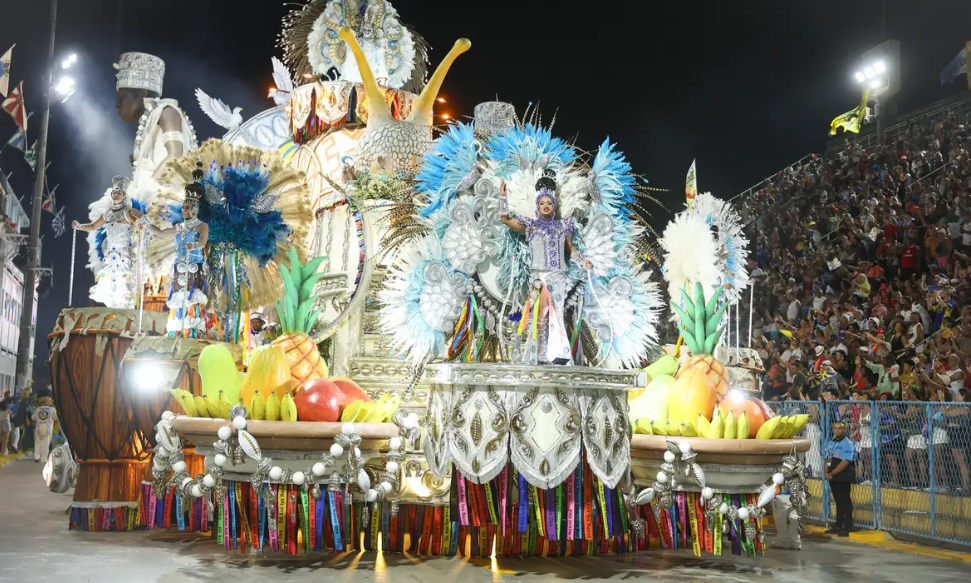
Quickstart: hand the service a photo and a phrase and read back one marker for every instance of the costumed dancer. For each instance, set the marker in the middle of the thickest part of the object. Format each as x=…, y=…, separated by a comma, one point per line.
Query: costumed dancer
x=111, y=253
x=187, y=298
x=164, y=132
x=44, y=417
x=549, y=239
x=257, y=331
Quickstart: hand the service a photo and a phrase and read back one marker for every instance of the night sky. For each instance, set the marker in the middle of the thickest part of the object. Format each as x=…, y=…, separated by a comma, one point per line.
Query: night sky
x=744, y=87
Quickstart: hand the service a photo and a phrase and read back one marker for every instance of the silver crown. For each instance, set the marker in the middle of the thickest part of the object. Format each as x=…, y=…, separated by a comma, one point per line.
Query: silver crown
x=120, y=183
x=493, y=117
x=140, y=71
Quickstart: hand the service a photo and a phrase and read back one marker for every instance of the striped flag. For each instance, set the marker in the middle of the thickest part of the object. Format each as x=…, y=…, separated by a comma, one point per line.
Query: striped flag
x=14, y=105
x=59, y=223
x=19, y=140
x=5, y=71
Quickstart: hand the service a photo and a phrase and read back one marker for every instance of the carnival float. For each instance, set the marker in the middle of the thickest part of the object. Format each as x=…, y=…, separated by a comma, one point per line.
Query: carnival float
x=463, y=355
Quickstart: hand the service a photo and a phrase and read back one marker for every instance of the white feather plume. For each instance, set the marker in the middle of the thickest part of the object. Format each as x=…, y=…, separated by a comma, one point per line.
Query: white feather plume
x=571, y=191
x=730, y=241
x=95, y=211
x=689, y=254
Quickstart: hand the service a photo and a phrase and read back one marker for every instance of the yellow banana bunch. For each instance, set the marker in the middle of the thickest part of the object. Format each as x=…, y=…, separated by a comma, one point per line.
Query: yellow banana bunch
x=782, y=428
x=743, y=426
x=288, y=409
x=800, y=422
x=272, y=407
x=643, y=426
x=212, y=407
x=201, y=406
x=184, y=399
x=768, y=428
x=224, y=406
x=731, y=426
x=257, y=407
x=716, y=430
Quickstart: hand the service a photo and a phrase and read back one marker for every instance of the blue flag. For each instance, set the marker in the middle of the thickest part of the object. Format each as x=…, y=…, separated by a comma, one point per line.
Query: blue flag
x=957, y=67
x=19, y=140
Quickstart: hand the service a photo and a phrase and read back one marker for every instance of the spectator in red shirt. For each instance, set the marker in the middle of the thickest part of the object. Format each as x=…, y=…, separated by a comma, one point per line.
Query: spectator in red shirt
x=909, y=259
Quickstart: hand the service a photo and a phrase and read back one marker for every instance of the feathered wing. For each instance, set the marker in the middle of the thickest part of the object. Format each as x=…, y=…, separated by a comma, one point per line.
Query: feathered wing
x=262, y=239
x=421, y=301
x=217, y=111
x=281, y=76
x=449, y=165
x=730, y=241
x=623, y=309
x=689, y=254
x=95, y=211
x=611, y=183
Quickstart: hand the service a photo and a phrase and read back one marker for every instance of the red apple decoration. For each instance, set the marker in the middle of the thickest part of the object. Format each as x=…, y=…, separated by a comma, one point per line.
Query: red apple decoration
x=351, y=390
x=319, y=400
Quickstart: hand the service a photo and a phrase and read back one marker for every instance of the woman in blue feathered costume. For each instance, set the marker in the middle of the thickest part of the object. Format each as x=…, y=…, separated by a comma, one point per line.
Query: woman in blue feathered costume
x=115, y=278
x=187, y=300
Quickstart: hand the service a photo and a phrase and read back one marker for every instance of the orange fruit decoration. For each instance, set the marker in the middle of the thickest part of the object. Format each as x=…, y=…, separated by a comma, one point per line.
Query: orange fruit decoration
x=752, y=410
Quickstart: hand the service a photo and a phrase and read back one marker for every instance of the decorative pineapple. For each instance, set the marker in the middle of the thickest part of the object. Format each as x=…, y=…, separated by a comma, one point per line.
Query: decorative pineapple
x=297, y=316
x=701, y=381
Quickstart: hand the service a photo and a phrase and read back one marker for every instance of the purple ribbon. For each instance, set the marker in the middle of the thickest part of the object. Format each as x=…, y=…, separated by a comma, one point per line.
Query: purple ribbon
x=551, y=514
x=523, y=505
x=736, y=543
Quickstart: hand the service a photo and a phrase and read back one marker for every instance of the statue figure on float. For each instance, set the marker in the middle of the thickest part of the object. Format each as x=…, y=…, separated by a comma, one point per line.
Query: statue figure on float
x=164, y=131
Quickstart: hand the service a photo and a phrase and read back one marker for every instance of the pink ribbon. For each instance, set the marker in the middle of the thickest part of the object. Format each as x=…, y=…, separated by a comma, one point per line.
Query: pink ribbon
x=503, y=493
x=571, y=506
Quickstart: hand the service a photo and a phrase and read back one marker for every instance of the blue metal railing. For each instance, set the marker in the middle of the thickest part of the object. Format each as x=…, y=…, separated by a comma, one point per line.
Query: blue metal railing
x=913, y=474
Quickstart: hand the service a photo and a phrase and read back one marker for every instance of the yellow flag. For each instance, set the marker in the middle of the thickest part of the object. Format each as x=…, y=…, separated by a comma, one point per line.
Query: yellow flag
x=853, y=119
x=786, y=333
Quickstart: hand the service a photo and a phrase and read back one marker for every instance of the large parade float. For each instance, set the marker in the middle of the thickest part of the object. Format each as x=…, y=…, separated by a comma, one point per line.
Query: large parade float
x=385, y=335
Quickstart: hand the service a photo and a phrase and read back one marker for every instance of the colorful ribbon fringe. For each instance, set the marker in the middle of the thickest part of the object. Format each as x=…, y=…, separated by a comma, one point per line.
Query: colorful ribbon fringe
x=505, y=517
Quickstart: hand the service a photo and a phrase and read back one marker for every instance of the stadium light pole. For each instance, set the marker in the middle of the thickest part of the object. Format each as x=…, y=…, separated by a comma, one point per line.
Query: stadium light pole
x=879, y=71
x=25, y=344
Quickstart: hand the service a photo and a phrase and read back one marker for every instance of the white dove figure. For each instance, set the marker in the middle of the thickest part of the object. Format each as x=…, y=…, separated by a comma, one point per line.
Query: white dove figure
x=219, y=112
x=284, y=85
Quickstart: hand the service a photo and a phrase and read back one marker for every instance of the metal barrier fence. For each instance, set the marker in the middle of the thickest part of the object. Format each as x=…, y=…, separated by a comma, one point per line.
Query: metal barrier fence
x=912, y=466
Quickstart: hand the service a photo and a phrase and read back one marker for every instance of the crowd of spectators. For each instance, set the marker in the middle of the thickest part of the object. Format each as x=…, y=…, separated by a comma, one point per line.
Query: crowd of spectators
x=862, y=270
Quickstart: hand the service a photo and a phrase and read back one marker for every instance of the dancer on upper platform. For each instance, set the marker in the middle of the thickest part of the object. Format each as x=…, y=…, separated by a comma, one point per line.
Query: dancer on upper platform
x=112, y=253
x=549, y=239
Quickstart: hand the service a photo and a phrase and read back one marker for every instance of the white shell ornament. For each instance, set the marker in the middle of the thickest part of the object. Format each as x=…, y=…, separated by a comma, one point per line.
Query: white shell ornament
x=249, y=445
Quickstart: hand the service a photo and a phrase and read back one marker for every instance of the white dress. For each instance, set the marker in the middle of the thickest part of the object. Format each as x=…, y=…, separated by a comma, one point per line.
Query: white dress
x=115, y=285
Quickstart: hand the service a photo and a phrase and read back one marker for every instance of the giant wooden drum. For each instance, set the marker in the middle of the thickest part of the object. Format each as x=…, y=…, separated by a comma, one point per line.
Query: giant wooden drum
x=106, y=407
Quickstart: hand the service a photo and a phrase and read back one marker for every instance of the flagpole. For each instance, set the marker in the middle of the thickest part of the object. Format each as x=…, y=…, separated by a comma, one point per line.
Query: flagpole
x=26, y=343
x=74, y=245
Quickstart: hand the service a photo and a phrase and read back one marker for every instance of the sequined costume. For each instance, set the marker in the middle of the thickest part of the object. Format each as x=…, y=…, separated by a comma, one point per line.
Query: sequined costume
x=547, y=240
x=187, y=300
x=115, y=286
